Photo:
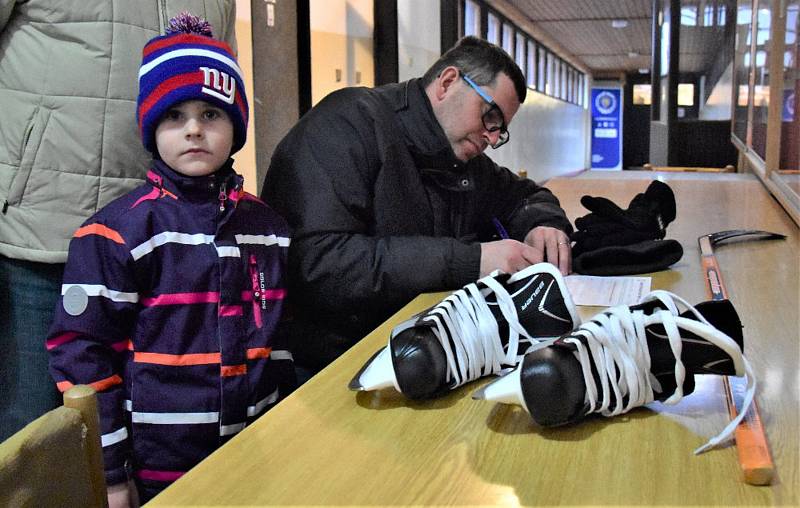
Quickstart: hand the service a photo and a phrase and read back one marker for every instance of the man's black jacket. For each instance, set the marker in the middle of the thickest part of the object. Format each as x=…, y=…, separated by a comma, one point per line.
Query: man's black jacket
x=383, y=211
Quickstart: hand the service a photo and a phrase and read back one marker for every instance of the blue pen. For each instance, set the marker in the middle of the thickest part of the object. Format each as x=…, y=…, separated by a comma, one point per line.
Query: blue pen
x=500, y=229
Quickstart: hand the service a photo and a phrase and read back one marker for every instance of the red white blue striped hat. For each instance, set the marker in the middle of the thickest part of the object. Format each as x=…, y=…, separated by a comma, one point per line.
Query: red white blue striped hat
x=188, y=64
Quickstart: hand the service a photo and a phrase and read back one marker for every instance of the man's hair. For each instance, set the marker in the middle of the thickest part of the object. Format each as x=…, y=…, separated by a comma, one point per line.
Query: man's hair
x=482, y=61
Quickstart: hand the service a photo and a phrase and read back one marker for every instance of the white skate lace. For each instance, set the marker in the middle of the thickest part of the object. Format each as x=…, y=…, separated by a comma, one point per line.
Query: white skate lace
x=473, y=347
x=617, y=344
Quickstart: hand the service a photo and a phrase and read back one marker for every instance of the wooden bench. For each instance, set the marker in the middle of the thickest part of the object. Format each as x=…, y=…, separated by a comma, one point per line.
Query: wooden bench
x=56, y=460
x=726, y=169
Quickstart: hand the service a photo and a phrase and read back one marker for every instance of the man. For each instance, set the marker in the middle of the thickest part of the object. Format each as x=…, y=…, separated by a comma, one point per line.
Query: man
x=390, y=196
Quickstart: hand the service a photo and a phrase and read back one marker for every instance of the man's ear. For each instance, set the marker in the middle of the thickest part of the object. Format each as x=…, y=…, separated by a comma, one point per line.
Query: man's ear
x=443, y=84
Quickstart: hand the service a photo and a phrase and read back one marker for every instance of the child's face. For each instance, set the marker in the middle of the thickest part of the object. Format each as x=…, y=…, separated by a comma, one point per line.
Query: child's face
x=194, y=138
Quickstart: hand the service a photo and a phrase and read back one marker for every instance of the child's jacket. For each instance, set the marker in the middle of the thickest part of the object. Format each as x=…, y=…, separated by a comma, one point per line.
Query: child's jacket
x=169, y=307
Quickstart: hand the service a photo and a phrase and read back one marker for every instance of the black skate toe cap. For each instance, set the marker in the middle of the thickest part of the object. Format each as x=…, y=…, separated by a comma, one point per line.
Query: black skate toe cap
x=553, y=386
x=419, y=363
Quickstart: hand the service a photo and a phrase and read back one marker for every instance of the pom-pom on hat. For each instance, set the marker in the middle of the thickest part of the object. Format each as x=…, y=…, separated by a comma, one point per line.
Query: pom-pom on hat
x=188, y=64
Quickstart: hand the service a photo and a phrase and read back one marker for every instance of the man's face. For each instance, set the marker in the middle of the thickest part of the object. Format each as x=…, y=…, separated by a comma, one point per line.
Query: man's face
x=461, y=108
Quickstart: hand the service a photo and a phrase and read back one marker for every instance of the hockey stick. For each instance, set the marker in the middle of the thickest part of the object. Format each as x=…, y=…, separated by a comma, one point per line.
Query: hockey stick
x=751, y=441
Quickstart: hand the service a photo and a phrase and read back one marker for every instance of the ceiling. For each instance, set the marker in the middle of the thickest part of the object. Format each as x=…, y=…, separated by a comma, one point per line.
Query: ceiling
x=584, y=29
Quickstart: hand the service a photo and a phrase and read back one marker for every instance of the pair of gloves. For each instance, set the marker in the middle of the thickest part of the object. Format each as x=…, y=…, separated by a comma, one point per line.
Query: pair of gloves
x=615, y=241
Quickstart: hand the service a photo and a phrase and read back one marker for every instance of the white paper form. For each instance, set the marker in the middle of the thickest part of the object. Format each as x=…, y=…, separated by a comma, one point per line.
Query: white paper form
x=607, y=291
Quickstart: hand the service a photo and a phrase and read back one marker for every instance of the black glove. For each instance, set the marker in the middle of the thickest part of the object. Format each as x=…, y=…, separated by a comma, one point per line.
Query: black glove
x=643, y=257
x=646, y=218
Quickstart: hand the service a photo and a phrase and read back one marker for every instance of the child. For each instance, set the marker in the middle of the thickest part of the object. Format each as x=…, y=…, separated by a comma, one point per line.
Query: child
x=172, y=293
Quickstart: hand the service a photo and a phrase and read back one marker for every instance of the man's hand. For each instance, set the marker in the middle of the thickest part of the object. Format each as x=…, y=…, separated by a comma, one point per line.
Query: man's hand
x=508, y=256
x=553, y=246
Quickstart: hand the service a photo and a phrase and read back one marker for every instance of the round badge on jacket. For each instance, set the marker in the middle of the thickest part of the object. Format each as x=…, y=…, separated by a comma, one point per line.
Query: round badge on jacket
x=75, y=300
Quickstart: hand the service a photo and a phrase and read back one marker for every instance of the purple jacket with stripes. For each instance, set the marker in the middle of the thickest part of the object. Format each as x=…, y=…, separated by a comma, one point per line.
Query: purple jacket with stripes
x=170, y=302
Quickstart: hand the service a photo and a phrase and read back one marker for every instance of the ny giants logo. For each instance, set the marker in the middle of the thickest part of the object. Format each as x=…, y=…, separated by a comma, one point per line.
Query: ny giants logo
x=218, y=84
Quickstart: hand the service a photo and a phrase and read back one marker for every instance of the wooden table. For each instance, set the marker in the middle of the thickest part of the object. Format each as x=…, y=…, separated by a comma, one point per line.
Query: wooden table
x=325, y=445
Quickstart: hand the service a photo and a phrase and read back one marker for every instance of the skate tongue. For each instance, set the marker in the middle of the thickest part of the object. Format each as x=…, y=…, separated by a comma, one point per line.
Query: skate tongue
x=722, y=316
x=506, y=390
x=376, y=374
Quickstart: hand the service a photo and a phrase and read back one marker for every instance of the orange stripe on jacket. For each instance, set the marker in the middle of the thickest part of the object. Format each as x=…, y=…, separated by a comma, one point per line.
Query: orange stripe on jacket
x=177, y=360
x=233, y=370
x=258, y=352
x=106, y=383
x=63, y=386
x=101, y=230
x=98, y=386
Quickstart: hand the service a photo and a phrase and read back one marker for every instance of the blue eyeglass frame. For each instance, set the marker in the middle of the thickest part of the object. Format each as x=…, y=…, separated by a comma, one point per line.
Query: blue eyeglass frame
x=504, y=134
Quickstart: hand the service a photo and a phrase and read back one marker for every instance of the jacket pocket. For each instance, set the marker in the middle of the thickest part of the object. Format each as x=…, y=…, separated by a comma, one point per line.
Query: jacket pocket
x=30, y=147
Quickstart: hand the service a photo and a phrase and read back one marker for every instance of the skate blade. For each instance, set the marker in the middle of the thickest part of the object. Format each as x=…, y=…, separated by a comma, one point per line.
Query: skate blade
x=506, y=390
x=377, y=373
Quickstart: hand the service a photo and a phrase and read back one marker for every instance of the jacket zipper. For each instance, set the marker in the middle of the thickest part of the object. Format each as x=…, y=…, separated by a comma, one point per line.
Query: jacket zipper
x=25, y=140
x=162, y=10
x=222, y=197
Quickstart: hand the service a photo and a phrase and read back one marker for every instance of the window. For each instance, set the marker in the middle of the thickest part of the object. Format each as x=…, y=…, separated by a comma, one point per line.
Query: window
x=708, y=15
x=642, y=95
x=472, y=18
x=685, y=94
x=531, y=75
x=541, y=76
x=571, y=91
x=689, y=15
x=762, y=36
x=508, y=39
x=493, y=29
x=520, y=52
x=744, y=16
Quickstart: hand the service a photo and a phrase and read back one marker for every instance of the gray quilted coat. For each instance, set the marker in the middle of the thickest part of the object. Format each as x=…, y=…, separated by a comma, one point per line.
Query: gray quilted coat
x=69, y=143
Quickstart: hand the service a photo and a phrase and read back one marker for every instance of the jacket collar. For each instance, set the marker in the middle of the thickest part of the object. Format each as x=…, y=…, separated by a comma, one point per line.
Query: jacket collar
x=194, y=188
x=424, y=136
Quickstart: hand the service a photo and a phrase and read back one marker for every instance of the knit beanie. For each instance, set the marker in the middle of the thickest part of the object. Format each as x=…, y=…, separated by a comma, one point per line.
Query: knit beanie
x=188, y=64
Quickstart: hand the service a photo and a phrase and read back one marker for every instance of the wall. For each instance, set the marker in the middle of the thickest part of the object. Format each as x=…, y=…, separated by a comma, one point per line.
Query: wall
x=246, y=157
x=549, y=137
x=275, y=105
x=418, y=37
x=341, y=45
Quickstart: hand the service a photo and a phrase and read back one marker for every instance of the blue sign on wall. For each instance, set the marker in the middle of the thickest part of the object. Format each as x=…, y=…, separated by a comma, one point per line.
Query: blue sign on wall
x=606, y=128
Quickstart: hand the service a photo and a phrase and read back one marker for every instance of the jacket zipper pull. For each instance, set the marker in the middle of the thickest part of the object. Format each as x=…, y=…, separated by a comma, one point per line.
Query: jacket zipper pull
x=222, y=198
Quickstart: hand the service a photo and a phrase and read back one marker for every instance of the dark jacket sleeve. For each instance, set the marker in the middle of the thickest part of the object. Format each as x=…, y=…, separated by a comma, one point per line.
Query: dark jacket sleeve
x=519, y=203
x=88, y=344
x=323, y=179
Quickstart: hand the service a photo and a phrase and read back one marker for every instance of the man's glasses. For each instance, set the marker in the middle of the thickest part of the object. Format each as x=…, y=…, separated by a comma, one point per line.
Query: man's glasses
x=493, y=119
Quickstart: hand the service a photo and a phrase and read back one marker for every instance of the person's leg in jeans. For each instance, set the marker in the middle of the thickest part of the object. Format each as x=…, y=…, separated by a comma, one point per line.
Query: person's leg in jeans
x=28, y=295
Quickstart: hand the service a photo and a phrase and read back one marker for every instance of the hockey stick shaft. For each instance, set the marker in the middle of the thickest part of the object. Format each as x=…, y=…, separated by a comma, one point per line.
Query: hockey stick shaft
x=751, y=440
